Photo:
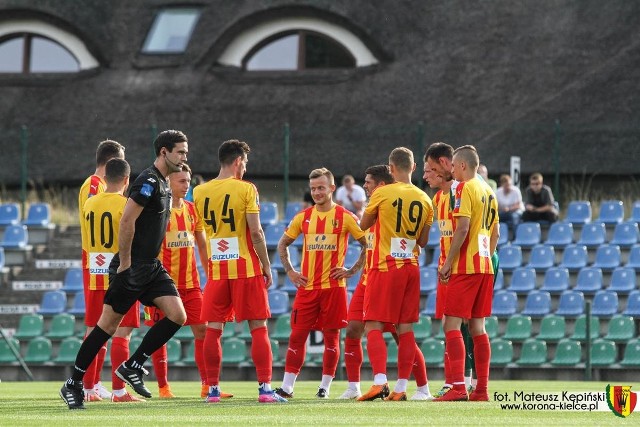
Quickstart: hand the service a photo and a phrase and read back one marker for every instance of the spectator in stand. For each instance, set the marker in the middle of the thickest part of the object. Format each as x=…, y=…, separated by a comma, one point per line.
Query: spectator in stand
x=539, y=201
x=510, y=203
x=351, y=196
x=195, y=181
x=484, y=173
x=307, y=200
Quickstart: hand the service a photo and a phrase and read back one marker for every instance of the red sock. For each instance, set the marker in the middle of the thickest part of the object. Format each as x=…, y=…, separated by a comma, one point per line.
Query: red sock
x=160, y=365
x=406, y=354
x=331, y=354
x=199, y=356
x=377, y=350
x=296, y=351
x=482, y=356
x=89, y=378
x=447, y=367
x=419, y=368
x=455, y=348
x=212, y=355
x=353, y=358
x=119, y=354
x=261, y=354
x=100, y=363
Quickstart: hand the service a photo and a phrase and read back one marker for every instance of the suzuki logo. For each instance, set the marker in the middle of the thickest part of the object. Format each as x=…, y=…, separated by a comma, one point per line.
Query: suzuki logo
x=223, y=245
x=100, y=260
x=403, y=245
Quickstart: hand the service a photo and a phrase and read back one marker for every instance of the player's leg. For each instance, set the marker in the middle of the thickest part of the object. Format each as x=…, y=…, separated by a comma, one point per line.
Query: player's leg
x=333, y=317
x=469, y=361
x=120, y=353
x=482, y=309
x=353, y=354
x=158, y=358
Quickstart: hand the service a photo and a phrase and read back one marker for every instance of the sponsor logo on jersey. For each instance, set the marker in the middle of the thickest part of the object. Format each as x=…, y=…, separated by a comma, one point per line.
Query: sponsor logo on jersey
x=321, y=242
x=402, y=247
x=99, y=262
x=224, y=249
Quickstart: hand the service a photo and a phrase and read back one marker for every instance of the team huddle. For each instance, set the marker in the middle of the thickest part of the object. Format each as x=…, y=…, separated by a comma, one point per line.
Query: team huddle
x=143, y=249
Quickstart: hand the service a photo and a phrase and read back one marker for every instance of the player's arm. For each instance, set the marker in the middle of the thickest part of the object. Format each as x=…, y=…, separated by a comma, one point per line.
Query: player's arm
x=460, y=233
x=423, y=238
x=259, y=244
x=132, y=211
x=342, y=272
x=368, y=219
x=201, y=241
x=283, y=252
x=495, y=235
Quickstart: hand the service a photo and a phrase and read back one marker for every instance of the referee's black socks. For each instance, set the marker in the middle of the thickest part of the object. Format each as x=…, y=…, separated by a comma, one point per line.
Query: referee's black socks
x=88, y=351
x=155, y=338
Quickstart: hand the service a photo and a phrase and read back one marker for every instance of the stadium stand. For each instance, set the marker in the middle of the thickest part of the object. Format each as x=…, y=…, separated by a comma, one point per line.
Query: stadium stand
x=608, y=257
x=505, y=304
x=589, y=280
x=533, y=353
x=268, y=214
x=571, y=304
x=430, y=305
x=39, y=350
x=30, y=326
x=73, y=281
x=635, y=212
x=537, y=304
x=568, y=353
x=422, y=328
x=621, y=328
x=174, y=351
x=504, y=234
x=580, y=328
x=434, y=236
x=625, y=234
x=623, y=280
x=518, y=328
x=68, y=350
x=291, y=210
x=282, y=328
x=631, y=355
x=6, y=355
x=9, y=214
x=542, y=257
x=510, y=257
x=634, y=258
x=528, y=234
x=523, y=280
x=605, y=303
x=556, y=280
x=53, y=302
x=574, y=257
x=272, y=235
x=552, y=328
x=593, y=235
x=499, y=280
x=501, y=352
x=433, y=350
x=428, y=279
x=294, y=256
x=603, y=353
x=78, y=305
x=62, y=325
x=491, y=326
x=278, y=302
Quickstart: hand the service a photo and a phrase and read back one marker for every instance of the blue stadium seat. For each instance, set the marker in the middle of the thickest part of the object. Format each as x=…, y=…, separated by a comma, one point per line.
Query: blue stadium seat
x=288, y=286
x=633, y=304
x=428, y=280
x=589, y=280
x=608, y=257
x=272, y=235
x=593, y=235
x=623, y=280
x=579, y=212
x=556, y=280
x=294, y=256
x=498, y=282
x=353, y=253
x=430, y=306
x=422, y=258
x=625, y=234
x=278, y=302
x=352, y=282
x=523, y=280
x=611, y=211
x=2, y=260
x=73, y=280
x=574, y=257
x=527, y=234
x=510, y=257
x=435, y=256
x=15, y=236
x=78, y=307
x=504, y=234
x=605, y=303
x=560, y=234
x=434, y=235
x=542, y=257
x=505, y=303
x=538, y=304
x=571, y=304
x=9, y=214
x=634, y=258
x=291, y=210
x=635, y=212
x=268, y=213
x=53, y=302
x=39, y=215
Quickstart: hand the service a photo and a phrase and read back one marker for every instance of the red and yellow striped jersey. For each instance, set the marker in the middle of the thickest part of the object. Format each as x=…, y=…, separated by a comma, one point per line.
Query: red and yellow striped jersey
x=326, y=237
x=178, y=255
x=442, y=205
x=371, y=244
x=223, y=205
x=476, y=201
x=403, y=210
x=100, y=227
x=91, y=186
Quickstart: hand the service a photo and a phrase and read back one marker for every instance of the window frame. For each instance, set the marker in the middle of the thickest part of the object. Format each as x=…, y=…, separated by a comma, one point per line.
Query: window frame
x=27, y=47
x=152, y=28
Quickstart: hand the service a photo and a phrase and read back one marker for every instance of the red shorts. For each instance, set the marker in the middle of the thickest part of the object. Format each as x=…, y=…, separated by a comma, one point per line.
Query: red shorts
x=245, y=298
x=192, y=301
x=94, y=302
x=393, y=296
x=469, y=295
x=320, y=309
x=441, y=299
x=356, y=308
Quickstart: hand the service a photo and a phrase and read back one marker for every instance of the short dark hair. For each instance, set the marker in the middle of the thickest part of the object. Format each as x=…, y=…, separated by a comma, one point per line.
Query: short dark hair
x=230, y=150
x=437, y=150
x=168, y=139
x=107, y=150
x=380, y=173
x=116, y=170
x=186, y=168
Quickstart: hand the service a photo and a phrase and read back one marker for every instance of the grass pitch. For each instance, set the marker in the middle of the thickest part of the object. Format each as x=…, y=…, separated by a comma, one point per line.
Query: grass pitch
x=38, y=403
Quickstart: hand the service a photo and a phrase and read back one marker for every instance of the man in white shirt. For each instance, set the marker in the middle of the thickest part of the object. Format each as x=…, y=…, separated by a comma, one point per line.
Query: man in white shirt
x=351, y=196
x=510, y=202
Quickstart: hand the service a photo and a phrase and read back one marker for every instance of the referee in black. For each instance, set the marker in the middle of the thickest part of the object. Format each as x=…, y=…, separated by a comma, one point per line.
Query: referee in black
x=135, y=273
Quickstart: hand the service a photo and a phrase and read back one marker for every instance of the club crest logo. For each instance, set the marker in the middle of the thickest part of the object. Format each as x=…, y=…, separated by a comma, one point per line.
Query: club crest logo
x=621, y=400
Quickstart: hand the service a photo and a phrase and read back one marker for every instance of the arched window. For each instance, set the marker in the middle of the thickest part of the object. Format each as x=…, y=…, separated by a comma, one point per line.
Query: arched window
x=298, y=51
x=30, y=53
x=30, y=46
x=296, y=43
